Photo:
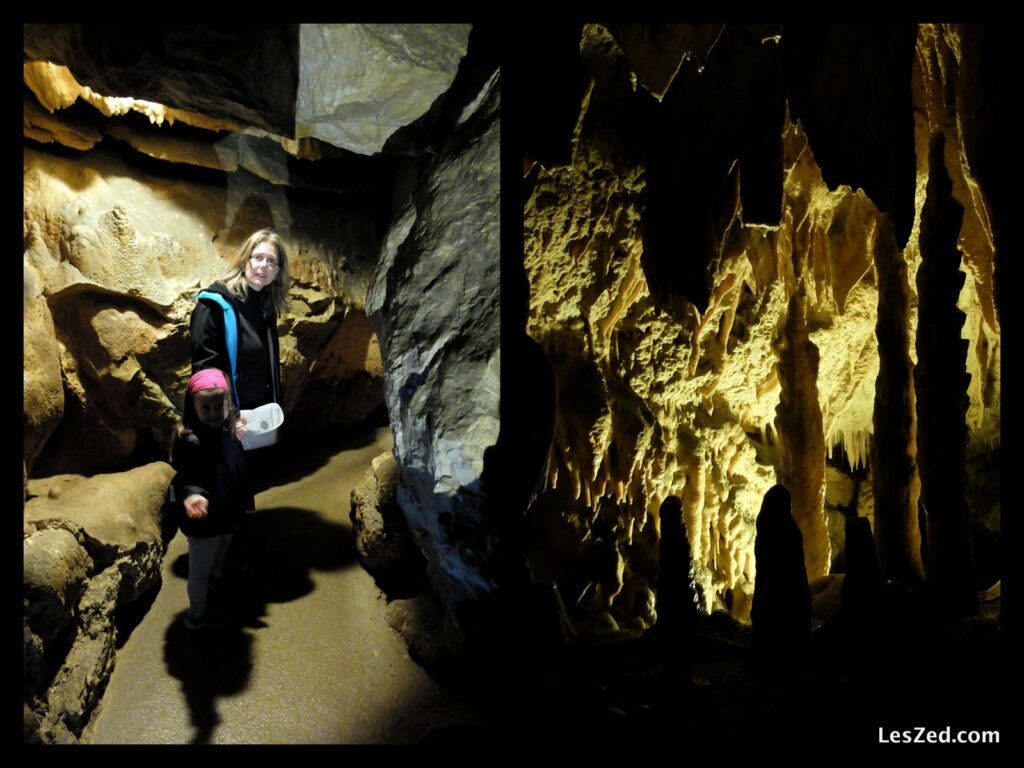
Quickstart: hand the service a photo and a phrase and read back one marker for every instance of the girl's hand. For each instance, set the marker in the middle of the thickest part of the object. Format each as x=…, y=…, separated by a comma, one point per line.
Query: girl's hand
x=240, y=428
x=196, y=507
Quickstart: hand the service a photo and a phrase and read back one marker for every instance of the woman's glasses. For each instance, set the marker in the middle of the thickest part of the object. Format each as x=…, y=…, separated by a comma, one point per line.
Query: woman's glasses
x=270, y=261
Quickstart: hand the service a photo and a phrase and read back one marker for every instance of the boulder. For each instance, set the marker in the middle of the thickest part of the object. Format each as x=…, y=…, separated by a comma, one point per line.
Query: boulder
x=385, y=545
x=117, y=517
x=55, y=571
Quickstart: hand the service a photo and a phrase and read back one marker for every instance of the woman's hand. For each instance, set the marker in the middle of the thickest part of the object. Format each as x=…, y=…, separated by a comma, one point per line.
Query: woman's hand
x=196, y=507
x=240, y=427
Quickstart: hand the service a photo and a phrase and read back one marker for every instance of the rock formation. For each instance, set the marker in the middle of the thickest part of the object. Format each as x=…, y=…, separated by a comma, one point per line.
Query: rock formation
x=385, y=545
x=801, y=444
x=435, y=303
x=897, y=486
x=680, y=305
x=91, y=545
x=344, y=103
x=941, y=380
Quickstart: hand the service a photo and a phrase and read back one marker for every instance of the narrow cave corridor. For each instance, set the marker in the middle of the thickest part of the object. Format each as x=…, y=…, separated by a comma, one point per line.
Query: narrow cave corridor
x=151, y=154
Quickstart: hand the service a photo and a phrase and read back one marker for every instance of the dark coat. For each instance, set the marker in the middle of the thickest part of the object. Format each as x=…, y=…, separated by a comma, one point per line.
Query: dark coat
x=259, y=367
x=211, y=462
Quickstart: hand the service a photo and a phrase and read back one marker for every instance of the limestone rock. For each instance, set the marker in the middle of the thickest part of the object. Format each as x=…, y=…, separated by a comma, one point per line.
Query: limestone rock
x=421, y=621
x=660, y=392
x=894, y=468
x=107, y=523
x=31, y=726
x=802, y=445
x=381, y=77
x=345, y=379
x=839, y=488
x=119, y=519
x=43, y=393
x=34, y=663
x=826, y=597
x=153, y=243
x=859, y=117
x=78, y=683
x=949, y=96
x=48, y=129
x=835, y=525
x=55, y=571
x=385, y=545
x=53, y=85
x=182, y=66
x=656, y=51
x=941, y=380
x=221, y=156
x=434, y=302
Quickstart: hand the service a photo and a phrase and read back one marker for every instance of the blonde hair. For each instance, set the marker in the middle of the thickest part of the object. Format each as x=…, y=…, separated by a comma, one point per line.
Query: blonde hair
x=235, y=279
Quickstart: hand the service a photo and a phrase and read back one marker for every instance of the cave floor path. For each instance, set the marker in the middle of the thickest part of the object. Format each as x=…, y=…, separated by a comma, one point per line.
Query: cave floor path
x=310, y=657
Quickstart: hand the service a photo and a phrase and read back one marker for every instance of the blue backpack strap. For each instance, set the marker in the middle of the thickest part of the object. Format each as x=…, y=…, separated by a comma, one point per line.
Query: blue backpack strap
x=230, y=335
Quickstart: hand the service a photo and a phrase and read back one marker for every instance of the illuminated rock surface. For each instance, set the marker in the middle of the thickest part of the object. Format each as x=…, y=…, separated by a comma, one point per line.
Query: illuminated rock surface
x=710, y=353
x=95, y=544
x=435, y=303
x=340, y=99
x=97, y=229
x=383, y=541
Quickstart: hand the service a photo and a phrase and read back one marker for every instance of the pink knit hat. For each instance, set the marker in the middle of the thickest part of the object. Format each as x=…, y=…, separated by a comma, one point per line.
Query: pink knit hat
x=208, y=378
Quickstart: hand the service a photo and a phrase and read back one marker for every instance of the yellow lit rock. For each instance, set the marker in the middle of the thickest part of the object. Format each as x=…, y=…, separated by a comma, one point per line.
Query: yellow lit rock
x=54, y=85
x=764, y=385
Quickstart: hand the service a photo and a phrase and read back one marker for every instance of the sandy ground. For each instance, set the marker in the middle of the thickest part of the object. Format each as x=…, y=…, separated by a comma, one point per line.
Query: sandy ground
x=310, y=658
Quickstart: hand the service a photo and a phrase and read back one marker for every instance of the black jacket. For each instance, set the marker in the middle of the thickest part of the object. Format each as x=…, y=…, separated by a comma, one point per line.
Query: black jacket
x=259, y=367
x=211, y=462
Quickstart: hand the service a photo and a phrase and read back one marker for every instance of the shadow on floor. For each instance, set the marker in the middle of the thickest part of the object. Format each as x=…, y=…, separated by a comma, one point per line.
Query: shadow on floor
x=299, y=456
x=210, y=665
x=270, y=561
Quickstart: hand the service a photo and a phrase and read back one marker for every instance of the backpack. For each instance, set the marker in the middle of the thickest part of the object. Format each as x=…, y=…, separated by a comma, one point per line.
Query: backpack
x=231, y=342
x=230, y=336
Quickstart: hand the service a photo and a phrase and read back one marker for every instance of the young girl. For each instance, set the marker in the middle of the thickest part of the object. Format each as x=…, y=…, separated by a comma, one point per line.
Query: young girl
x=212, y=485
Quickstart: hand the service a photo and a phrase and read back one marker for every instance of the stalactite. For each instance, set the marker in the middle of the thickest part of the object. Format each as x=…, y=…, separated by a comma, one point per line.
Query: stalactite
x=801, y=441
x=661, y=396
x=941, y=381
x=894, y=467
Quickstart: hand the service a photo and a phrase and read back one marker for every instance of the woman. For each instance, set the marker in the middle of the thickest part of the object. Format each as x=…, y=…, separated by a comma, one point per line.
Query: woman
x=243, y=308
x=255, y=291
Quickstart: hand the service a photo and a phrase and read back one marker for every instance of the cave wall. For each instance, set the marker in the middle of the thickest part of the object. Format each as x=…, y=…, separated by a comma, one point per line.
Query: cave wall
x=114, y=257
x=675, y=335
x=435, y=302
x=151, y=153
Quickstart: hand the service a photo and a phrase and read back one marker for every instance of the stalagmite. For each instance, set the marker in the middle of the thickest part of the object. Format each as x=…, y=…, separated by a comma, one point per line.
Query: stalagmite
x=894, y=467
x=667, y=390
x=801, y=442
x=941, y=382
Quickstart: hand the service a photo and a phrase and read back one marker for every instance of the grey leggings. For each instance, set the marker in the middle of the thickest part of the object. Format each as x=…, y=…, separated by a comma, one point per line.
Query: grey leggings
x=205, y=557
